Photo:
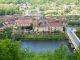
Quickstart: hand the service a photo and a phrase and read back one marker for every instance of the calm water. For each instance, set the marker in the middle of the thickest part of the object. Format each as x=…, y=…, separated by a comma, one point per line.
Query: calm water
x=38, y=46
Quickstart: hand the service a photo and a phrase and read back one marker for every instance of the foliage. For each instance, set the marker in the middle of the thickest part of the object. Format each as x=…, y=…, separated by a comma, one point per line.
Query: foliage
x=31, y=26
x=64, y=28
x=6, y=33
x=61, y=52
x=67, y=10
x=77, y=53
x=33, y=11
x=71, y=17
x=39, y=2
x=43, y=36
x=8, y=9
x=74, y=23
x=12, y=1
x=39, y=23
x=1, y=22
x=78, y=31
x=59, y=36
x=51, y=1
x=16, y=36
x=11, y=51
x=52, y=13
x=33, y=18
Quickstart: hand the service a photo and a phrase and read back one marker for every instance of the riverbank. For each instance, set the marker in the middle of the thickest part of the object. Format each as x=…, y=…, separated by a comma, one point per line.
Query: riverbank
x=42, y=36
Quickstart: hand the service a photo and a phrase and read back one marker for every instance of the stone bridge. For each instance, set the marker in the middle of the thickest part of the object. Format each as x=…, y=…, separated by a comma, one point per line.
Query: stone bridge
x=73, y=39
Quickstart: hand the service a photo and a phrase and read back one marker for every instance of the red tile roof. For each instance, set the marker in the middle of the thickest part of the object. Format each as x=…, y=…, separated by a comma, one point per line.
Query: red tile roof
x=24, y=21
x=55, y=24
x=18, y=21
x=50, y=24
x=43, y=25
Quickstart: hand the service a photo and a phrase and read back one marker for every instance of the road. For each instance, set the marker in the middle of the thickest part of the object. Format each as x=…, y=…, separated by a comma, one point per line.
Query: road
x=69, y=31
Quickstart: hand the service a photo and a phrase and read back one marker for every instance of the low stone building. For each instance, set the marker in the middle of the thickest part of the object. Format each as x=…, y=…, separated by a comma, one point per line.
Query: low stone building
x=49, y=24
x=41, y=28
x=49, y=27
x=25, y=22
x=46, y=24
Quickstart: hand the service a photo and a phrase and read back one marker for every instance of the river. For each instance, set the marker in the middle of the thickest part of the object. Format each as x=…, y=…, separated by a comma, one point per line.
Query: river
x=38, y=46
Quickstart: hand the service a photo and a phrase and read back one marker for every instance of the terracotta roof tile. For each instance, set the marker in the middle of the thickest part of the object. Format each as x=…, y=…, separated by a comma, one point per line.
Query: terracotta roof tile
x=24, y=21
x=18, y=21
x=43, y=25
x=55, y=24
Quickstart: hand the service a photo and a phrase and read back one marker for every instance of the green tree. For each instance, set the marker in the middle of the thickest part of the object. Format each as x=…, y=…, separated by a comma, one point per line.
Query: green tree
x=33, y=18
x=31, y=26
x=9, y=9
x=7, y=32
x=74, y=23
x=78, y=29
x=39, y=23
x=64, y=28
x=16, y=36
x=77, y=54
x=67, y=10
x=61, y=53
x=11, y=51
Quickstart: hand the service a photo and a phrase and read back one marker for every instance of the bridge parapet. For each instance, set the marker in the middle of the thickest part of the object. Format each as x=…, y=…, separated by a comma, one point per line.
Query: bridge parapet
x=71, y=40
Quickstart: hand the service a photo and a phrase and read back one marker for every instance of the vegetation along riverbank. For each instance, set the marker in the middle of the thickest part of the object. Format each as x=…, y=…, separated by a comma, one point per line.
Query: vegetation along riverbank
x=56, y=35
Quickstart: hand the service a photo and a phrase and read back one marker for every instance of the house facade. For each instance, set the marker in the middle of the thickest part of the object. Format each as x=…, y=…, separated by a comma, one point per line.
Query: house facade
x=49, y=27
x=25, y=22
x=46, y=24
x=49, y=24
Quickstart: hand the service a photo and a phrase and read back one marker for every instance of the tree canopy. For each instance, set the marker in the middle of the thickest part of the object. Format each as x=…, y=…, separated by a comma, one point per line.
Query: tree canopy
x=8, y=9
x=10, y=51
x=12, y=1
x=13, y=51
x=6, y=33
x=74, y=23
x=39, y=1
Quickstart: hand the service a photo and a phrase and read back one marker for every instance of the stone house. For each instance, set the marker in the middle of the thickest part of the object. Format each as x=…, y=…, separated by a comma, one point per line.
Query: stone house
x=25, y=22
x=49, y=24
x=41, y=28
x=49, y=27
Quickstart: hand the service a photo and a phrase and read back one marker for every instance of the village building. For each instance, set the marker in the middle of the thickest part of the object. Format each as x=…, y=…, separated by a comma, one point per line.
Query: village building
x=39, y=23
x=44, y=24
x=26, y=22
x=49, y=24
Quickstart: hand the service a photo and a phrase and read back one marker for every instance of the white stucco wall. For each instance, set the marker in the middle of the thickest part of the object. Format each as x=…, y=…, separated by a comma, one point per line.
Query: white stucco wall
x=51, y=28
